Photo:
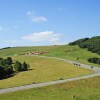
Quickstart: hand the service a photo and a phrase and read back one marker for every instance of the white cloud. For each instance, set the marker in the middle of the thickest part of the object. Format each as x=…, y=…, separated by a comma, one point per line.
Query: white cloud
x=39, y=19
x=46, y=36
x=35, y=18
x=31, y=13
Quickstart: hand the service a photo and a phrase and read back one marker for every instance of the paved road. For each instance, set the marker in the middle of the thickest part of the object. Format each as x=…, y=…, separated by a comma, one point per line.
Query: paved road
x=96, y=73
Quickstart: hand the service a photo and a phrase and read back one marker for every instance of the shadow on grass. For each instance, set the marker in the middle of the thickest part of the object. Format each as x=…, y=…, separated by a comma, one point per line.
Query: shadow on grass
x=9, y=76
x=15, y=73
x=30, y=69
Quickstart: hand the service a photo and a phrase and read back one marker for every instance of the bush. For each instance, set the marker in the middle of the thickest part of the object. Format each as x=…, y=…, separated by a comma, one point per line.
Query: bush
x=94, y=60
x=9, y=70
x=98, y=52
x=24, y=66
x=21, y=67
x=2, y=72
x=3, y=62
x=9, y=60
x=18, y=66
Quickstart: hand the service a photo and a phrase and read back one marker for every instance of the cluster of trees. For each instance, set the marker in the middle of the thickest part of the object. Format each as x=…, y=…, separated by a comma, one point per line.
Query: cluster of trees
x=21, y=66
x=8, y=68
x=92, y=44
x=94, y=60
x=78, y=42
x=5, y=48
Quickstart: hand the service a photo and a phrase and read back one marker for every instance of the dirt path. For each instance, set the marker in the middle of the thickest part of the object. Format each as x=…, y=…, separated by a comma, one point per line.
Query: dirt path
x=96, y=73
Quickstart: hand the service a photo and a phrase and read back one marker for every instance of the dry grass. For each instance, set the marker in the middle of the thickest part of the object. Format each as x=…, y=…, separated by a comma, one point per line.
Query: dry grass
x=41, y=70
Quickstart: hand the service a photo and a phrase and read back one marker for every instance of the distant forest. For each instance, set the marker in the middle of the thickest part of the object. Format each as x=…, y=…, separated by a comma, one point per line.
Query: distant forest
x=92, y=44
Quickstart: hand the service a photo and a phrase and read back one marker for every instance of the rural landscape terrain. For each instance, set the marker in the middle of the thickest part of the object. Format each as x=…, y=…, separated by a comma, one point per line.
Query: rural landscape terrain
x=54, y=63
x=49, y=49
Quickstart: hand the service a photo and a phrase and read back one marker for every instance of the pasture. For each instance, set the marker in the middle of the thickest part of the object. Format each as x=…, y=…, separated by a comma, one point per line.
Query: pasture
x=87, y=89
x=43, y=70
x=63, y=51
x=48, y=69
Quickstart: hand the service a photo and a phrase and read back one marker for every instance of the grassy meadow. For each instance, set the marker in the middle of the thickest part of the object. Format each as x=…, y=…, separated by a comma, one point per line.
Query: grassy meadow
x=42, y=70
x=87, y=89
x=63, y=51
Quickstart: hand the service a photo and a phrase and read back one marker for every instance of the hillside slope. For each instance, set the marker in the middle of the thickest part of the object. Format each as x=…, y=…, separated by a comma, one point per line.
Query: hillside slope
x=62, y=51
x=92, y=44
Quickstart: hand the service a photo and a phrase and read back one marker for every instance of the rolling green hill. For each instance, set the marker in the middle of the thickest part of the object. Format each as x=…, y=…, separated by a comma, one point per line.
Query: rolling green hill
x=92, y=44
x=87, y=89
x=61, y=51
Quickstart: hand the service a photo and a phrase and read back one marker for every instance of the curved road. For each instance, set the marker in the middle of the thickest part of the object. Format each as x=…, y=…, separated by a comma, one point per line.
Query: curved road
x=96, y=73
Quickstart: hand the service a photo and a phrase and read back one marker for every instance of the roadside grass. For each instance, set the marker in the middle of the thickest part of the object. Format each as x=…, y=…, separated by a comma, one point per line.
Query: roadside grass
x=87, y=89
x=42, y=70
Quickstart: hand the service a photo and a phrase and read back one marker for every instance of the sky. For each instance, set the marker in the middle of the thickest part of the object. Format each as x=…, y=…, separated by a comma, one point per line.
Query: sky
x=47, y=22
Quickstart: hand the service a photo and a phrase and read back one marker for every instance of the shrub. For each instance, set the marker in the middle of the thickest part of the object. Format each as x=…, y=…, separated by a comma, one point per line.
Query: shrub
x=2, y=72
x=18, y=66
x=94, y=60
x=9, y=60
x=24, y=66
x=9, y=70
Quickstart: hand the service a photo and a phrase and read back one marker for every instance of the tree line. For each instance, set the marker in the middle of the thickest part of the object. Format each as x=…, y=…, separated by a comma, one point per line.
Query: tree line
x=8, y=67
x=78, y=42
x=92, y=44
x=94, y=60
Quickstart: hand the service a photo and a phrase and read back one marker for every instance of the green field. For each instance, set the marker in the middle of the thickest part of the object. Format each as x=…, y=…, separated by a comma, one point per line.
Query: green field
x=42, y=70
x=88, y=89
x=63, y=51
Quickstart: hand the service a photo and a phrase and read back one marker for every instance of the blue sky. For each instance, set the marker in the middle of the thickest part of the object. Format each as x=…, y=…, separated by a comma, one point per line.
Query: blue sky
x=47, y=22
